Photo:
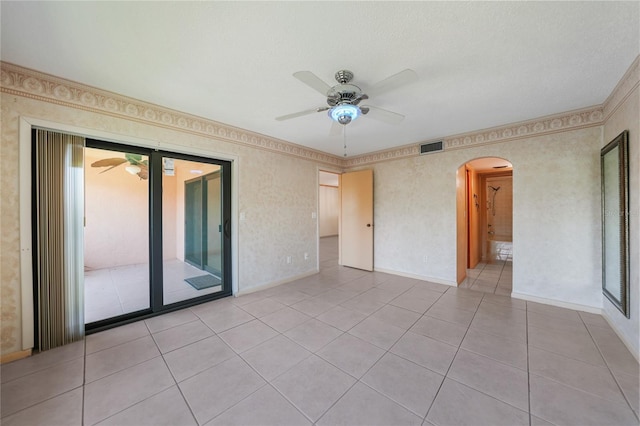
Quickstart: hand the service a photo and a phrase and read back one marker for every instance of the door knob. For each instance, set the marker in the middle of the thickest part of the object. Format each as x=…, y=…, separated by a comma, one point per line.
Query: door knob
x=368, y=225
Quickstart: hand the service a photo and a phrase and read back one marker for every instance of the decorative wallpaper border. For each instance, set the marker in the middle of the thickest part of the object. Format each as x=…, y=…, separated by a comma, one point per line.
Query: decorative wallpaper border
x=16, y=80
x=551, y=124
x=19, y=81
x=629, y=81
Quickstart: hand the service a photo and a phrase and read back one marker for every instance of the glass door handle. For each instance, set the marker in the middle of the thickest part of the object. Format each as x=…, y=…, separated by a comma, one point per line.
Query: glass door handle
x=227, y=228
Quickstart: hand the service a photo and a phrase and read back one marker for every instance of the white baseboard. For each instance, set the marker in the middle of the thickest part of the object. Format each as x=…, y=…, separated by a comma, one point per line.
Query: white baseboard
x=558, y=303
x=417, y=277
x=275, y=283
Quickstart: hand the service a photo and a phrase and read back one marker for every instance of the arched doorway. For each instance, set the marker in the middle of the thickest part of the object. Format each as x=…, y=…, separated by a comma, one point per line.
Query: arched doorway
x=485, y=230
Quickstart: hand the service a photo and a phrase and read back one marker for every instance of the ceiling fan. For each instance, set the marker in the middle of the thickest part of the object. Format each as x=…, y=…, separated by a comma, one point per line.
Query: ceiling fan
x=344, y=98
x=137, y=166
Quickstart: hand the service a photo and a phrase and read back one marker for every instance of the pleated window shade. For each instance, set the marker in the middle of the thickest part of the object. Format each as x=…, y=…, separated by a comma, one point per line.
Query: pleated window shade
x=59, y=248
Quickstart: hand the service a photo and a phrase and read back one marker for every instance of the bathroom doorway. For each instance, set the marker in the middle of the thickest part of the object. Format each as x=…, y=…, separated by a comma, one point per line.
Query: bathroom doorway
x=485, y=253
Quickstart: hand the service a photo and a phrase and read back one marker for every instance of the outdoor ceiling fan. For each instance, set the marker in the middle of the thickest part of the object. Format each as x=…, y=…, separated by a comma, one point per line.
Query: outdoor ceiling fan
x=344, y=98
x=137, y=166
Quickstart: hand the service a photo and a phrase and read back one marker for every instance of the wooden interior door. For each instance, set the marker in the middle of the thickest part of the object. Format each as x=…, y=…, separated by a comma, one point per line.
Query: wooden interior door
x=356, y=220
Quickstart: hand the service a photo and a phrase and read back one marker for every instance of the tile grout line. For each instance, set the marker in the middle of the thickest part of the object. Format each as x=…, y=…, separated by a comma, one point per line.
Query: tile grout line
x=3, y=416
x=176, y=384
x=615, y=379
x=150, y=396
x=452, y=360
x=550, y=350
x=358, y=380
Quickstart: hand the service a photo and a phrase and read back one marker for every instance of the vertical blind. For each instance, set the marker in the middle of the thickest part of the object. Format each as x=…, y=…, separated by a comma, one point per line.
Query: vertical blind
x=59, y=248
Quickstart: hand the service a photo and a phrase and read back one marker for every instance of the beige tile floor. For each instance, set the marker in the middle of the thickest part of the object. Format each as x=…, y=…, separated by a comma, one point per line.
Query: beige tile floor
x=110, y=292
x=340, y=347
x=494, y=276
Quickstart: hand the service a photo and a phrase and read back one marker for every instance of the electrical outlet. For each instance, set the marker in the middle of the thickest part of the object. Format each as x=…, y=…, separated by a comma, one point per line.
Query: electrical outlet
x=288, y=259
x=313, y=215
x=306, y=256
x=425, y=259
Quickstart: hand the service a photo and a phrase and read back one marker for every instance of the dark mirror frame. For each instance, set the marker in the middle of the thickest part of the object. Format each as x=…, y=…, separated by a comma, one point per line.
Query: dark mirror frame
x=615, y=260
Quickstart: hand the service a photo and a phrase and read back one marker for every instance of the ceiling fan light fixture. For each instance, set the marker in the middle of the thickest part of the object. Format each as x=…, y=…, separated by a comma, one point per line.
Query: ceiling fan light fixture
x=133, y=169
x=344, y=113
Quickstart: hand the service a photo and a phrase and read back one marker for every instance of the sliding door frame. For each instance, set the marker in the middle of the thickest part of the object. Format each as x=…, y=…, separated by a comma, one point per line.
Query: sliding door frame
x=156, y=296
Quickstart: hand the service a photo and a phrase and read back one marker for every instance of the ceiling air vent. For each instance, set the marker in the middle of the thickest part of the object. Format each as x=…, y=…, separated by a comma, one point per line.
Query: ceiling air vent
x=429, y=148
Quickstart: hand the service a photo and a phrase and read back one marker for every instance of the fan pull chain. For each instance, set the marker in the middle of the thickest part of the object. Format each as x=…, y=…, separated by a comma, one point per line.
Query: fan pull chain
x=344, y=138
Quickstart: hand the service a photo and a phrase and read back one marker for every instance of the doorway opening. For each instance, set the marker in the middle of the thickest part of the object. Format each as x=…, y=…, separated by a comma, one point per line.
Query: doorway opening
x=328, y=218
x=485, y=225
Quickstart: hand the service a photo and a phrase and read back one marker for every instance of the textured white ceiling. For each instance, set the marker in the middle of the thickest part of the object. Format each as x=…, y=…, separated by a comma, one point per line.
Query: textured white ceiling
x=480, y=64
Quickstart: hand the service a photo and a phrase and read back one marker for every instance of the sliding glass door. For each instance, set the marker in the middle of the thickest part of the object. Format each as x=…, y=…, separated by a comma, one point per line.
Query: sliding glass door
x=193, y=240
x=157, y=233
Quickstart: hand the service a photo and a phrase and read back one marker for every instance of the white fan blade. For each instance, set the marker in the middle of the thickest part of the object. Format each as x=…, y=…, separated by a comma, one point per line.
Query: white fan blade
x=390, y=83
x=313, y=81
x=383, y=115
x=300, y=113
x=336, y=128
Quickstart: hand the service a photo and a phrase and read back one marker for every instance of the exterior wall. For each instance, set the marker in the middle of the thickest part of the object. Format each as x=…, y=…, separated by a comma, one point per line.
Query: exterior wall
x=624, y=114
x=116, y=217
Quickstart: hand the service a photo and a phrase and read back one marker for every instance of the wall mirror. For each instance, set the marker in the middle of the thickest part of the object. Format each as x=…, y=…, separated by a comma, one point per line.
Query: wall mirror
x=615, y=222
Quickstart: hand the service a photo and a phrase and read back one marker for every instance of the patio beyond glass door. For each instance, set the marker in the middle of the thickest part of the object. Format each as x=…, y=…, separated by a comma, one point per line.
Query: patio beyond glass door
x=192, y=208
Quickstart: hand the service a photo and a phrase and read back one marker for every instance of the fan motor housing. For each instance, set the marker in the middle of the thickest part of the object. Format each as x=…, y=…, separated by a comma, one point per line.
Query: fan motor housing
x=343, y=93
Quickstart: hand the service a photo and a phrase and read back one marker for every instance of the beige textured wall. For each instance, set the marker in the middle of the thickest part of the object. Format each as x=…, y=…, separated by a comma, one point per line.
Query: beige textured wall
x=277, y=193
x=556, y=214
x=627, y=117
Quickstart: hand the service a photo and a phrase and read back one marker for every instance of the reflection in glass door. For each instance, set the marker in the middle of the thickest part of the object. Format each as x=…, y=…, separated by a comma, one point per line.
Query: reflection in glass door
x=193, y=214
x=193, y=230
x=214, y=246
x=116, y=246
